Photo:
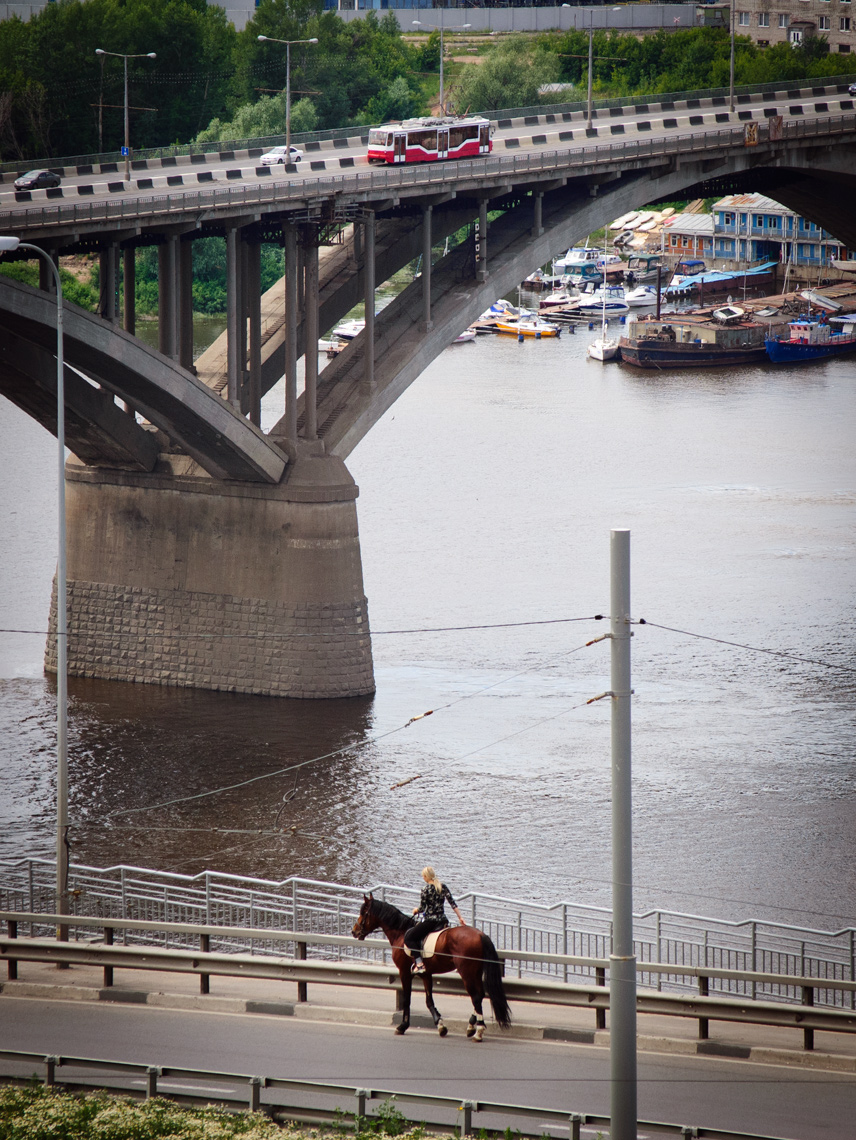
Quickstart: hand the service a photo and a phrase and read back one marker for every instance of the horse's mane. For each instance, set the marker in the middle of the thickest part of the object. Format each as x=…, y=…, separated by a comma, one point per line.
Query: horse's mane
x=390, y=915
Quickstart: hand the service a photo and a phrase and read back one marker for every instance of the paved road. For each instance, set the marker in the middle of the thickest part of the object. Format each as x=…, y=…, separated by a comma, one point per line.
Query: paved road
x=530, y=138
x=687, y=1090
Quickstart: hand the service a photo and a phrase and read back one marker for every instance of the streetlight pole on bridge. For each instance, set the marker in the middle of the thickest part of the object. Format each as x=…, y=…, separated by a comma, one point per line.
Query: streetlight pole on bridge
x=123, y=56
x=288, y=43
x=440, y=28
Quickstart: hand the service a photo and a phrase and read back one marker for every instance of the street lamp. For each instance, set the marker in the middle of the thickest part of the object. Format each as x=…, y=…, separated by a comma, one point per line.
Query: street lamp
x=288, y=43
x=439, y=27
x=121, y=55
x=591, y=60
x=731, y=60
x=7, y=245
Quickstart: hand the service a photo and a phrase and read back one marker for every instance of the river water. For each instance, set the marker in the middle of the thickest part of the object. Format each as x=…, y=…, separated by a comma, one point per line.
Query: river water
x=487, y=495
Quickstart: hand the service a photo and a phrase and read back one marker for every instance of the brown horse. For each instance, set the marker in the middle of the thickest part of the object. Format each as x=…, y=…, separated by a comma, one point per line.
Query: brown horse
x=461, y=948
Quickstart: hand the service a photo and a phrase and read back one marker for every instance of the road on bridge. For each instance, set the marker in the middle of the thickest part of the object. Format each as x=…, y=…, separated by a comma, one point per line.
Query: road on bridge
x=760, y=1099
x=657, y=123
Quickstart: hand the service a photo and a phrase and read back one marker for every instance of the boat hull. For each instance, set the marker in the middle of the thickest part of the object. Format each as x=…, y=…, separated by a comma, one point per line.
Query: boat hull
x=791, y=352
x=664, y=355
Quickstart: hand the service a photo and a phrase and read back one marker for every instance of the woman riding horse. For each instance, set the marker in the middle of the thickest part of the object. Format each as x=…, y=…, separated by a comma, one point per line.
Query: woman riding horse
x=461, y=948
x=430, y=916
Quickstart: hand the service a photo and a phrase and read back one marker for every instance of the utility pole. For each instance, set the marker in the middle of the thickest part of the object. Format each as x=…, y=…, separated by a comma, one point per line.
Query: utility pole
x=622, y=960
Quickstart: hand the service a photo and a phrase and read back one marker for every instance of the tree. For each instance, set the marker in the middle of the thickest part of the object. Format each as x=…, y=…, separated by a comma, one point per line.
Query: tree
x=510, y=76
x=261, y=120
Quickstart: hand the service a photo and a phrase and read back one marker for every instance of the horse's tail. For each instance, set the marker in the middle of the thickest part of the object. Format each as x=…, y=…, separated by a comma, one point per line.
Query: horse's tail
x=492, y=977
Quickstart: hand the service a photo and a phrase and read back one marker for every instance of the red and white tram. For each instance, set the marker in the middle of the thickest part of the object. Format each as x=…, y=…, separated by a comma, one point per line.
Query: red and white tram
x=429, y=140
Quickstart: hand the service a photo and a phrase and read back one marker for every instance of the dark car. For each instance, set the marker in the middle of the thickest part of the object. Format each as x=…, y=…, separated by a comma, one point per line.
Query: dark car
x=37, y=180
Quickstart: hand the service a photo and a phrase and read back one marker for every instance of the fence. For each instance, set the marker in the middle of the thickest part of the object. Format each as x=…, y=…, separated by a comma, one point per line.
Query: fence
x=447, y=1114
x=571, y=930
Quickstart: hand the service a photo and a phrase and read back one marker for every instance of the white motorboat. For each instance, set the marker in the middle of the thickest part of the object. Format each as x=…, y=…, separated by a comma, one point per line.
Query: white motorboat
x=466, y=336
x=641, y=296
x=559, y=300
x=506, y=310
x=609, y=298
x=347, y=330
x=576, y=258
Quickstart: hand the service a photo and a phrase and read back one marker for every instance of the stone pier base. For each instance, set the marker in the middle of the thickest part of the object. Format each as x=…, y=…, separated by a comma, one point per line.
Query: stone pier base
x=184, y=580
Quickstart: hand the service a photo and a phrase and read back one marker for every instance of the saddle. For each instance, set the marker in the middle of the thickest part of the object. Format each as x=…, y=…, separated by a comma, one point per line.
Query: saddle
x=429, y=946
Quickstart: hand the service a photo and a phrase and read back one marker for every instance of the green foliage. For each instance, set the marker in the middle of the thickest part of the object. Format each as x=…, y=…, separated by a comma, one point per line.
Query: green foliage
x=686, y=60
x=53, y=82
x=387, y=1121
x=261, y=120
x=510, y=76
x=83, y=293
x=36, y=1113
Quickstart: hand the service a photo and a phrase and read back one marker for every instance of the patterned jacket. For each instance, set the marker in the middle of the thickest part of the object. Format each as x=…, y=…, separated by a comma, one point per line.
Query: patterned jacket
x=432, y=902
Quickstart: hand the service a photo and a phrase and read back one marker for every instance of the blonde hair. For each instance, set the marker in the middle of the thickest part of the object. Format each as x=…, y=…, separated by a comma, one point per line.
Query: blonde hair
x=430, y=877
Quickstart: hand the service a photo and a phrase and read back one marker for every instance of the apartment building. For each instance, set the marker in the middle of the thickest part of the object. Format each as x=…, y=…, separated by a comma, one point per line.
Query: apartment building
x=787, y=21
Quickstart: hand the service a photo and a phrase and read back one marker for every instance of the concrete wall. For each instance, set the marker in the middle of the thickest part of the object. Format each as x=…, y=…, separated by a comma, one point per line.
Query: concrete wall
x=184, y=580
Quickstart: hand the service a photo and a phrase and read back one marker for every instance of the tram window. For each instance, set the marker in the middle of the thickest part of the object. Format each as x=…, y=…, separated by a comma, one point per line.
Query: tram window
x=426, y=139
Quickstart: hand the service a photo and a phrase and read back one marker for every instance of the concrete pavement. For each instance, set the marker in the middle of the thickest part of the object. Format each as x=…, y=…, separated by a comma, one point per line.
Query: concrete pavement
x=372, y=1007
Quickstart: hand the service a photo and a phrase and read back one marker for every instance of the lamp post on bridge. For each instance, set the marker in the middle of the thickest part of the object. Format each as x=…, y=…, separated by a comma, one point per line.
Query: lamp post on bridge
x=288, y=43
x=122, y=55
x=440, y=28
x=9, y=244
x=731, y=59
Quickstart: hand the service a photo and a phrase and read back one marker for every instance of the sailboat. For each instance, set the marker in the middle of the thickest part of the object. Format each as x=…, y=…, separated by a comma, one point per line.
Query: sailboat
x=603, y=347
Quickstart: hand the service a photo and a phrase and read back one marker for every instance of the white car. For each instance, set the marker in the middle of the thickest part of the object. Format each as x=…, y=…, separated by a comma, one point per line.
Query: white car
x=279, y=154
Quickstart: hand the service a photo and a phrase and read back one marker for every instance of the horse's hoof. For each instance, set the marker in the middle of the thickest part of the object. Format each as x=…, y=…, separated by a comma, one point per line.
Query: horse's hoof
x=471, y=1031
x=441, y=1029
x=479, y=1034
x=401, y=1030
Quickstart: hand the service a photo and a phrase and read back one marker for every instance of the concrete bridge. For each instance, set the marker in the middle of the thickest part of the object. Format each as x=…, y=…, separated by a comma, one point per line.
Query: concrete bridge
x=203, y=552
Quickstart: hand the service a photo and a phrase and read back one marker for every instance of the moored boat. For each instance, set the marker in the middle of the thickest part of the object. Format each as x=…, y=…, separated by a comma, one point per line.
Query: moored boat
x=528, y=326
x=692, y=340
x=810, y=339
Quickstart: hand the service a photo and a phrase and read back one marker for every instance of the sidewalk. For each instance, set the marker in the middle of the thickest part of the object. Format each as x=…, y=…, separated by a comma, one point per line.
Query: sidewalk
x=358, y=1006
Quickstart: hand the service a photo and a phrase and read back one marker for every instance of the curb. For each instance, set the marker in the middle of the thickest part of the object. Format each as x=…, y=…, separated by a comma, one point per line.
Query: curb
x=759, y=1054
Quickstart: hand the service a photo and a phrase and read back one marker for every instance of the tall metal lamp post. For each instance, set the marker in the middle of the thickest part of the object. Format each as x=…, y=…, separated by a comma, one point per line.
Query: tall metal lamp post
x=288, y=43
x=591, y=61
x=9, y=244
x=731, y=60
x=440, y=28
x=121, y=55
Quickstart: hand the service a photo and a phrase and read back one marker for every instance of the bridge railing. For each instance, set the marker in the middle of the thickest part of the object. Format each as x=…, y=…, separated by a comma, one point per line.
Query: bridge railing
x=662, y=937
x=393, y=178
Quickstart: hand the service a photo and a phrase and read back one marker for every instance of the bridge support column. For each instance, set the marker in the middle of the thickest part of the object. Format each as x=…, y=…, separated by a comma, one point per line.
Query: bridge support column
x=310, y=319
x=233, y=360
x=254, y=304
x=168, y=297
x=369, y=359
x=185, y=304
x=129, y=290
x=481, y=264
x=537, y=214
x=290, y=241
x=427, y=323
x=193, y=582
x=46, y=278
x=107, y=266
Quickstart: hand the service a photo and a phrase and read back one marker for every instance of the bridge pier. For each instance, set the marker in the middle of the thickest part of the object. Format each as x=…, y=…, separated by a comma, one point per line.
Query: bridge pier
x=181, y=579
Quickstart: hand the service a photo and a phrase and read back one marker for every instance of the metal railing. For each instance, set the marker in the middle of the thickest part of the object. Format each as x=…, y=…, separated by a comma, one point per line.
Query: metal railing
x=398, y=178
x=450, y=1114
x=662, y=937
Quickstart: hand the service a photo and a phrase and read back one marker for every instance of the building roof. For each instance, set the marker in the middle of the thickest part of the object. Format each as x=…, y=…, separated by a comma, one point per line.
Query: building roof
x=760, y=203
x=700, y=225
